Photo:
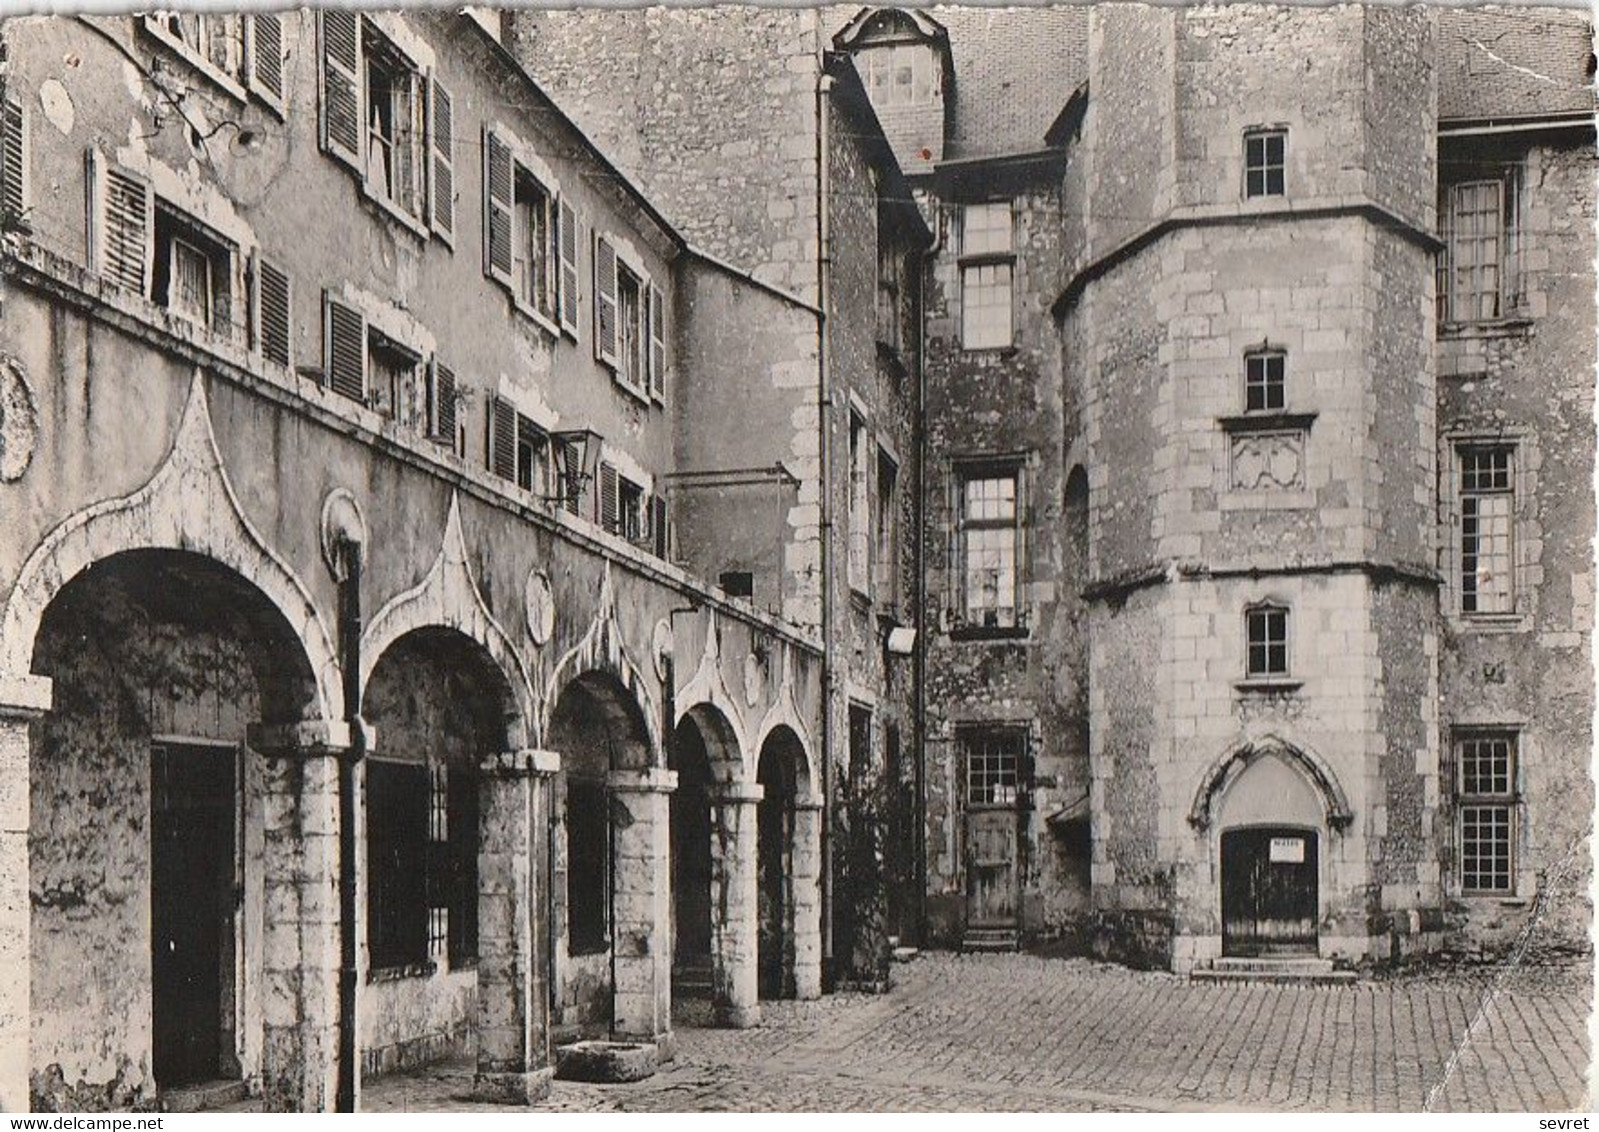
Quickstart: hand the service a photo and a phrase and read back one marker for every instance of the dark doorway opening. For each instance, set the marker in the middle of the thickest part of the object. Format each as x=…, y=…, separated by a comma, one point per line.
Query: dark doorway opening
x=691, y=863
x=1268, y=891
x=193, y=801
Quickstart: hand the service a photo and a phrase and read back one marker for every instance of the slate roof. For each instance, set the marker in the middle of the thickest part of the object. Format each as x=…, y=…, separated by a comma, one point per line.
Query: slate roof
x=1506, y=62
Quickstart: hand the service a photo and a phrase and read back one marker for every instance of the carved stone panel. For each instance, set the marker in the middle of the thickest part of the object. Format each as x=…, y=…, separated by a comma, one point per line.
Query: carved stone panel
x=1268, y=461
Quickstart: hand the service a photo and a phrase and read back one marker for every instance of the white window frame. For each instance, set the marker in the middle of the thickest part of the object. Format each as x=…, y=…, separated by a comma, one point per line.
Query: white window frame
x=983, y=470
x=1506, y=801
x=1263, y=135
x=229, y=77
x=1461, y=448
x=987, y=267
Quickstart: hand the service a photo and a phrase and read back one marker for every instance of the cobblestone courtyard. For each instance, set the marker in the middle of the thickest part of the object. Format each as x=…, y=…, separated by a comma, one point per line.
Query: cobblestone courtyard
x=1018, y=1033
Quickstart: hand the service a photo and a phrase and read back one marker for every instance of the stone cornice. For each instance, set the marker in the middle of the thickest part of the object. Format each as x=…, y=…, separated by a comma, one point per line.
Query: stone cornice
x=1119, y=586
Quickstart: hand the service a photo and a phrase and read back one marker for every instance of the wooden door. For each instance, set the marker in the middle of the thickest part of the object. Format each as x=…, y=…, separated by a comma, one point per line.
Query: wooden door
x=192, y=885
x=991, y=867
x=1268, y=891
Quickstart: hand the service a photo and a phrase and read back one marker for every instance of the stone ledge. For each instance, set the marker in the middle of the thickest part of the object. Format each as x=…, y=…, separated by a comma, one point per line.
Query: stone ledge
x=308, y=737
x=25, y=696
x=526, y=762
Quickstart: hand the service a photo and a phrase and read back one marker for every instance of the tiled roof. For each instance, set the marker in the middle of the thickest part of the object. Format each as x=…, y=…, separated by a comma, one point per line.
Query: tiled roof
x=1504, y=62
x=1015, y=68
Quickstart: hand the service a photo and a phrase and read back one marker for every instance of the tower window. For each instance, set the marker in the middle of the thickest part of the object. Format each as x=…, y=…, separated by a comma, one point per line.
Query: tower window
x=1265, y=158
x=1266, y=631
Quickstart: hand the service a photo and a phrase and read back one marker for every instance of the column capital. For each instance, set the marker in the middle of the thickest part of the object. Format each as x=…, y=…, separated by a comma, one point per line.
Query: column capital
x=25, y=696
x=523, y=763
x=651, y=780
x=732, y=793
x=807, y=805
x=307, y=738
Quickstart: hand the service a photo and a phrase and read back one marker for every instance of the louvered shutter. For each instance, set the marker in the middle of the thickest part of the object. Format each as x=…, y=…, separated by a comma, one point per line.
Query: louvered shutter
x=604, y=301
x=658, y=525
x=503, y=440
x=657, y=344
x=269, y=316
x=571, y=477
x=341, y=85
x=265, y=55
x=499, y=191
x=13, y=162
x=345, y=336
x=125, y=238
x=441, y=141
x=444, y=405
x=569, y=276
x=609, y=510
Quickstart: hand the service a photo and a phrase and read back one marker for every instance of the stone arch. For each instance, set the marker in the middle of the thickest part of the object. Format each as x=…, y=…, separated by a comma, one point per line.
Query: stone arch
x=706, y=698
x=1231, y=765
x=188, y=505
x=600, y=660
x=785, y=714
x=467, y=659
x=448, y=597
x=726, y=748
x=782, y=736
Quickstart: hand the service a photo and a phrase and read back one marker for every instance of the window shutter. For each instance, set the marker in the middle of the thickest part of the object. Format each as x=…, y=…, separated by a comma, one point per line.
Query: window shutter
x=13, y=162
x=657, y=344
x=503, y=457
x=345, y=335
x=125, y=238
x=269, y=316
x=441, y=190
x=569, y=276
x=341, y=85
x=444, y=405
x=265, y=55
x=604, y=301
x=658, y=525
x=610, y=511
x=499, y=193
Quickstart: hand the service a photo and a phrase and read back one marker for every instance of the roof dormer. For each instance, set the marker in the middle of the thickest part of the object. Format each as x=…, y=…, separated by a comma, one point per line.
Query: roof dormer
x=904, y=60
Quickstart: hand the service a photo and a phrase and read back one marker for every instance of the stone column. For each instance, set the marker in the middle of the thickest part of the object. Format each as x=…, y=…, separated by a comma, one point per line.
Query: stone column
x=513, y=994
x=641, y=906
x=734, y=907
x=805, y=889
x=22, y=700
x=300, y=951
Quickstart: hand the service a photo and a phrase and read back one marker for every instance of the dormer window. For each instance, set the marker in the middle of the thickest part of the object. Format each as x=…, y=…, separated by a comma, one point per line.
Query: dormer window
x=901, y=74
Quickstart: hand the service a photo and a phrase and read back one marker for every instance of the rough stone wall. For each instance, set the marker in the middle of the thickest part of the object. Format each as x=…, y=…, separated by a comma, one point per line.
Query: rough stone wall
x=89, y=846
x=1131, y=51
x=739, y=181
x=1004, y=402
x=1530, y=380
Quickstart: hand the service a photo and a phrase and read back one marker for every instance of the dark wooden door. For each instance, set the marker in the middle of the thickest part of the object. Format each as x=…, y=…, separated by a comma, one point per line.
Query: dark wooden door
x=991, y=867
x=1268, y=891
x=192, y=803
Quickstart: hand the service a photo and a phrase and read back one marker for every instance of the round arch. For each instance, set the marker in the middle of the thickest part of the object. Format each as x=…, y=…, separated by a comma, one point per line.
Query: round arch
x=187, y=505
x=601, y=696
x=486, y=686
x=723, y=734
x=783, y=741
x=1232, y=764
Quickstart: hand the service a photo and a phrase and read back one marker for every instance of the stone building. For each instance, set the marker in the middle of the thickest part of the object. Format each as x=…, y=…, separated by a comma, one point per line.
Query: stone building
x=1255, y=584
x=761, y=142
x=393, y=660
x=1260, y=348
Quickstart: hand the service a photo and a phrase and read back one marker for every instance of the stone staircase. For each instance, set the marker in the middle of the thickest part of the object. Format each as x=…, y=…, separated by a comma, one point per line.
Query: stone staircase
x=1287, y=969
x=691, y=978
x=990, y=939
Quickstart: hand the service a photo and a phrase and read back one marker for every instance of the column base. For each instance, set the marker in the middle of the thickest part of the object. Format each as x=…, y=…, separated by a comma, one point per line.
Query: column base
x=732, y=1017
x=513, y=1088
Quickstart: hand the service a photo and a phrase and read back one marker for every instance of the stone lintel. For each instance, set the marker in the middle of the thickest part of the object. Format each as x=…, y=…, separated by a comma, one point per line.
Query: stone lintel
x=725, y=793
x=308, y=738
x=526, y=762
x=653, y=780
x=24, y=697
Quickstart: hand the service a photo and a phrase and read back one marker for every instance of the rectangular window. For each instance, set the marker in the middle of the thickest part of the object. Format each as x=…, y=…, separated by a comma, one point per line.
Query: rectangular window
x=993, y=760
x=990, y=530
x=1486, y=782
x=394, y=379
x=903, y=74
x=634, y=524
x=737, y=583
x=860, y=743
x=211, y=40
x=887, y=536
x=533, y=471
x=1487, y=520
x=397, y=819
x=987, y=271
x=1264, y=381
x=1266, y=627
x=535, y=268
x=631, y=331
x=395, y=158
x=1478, y=278
x=193, y=270
x=1265, y=158
x=860, y=529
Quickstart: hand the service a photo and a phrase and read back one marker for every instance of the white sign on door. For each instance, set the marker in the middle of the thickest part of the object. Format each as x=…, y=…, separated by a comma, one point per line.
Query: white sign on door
x=1288, y=850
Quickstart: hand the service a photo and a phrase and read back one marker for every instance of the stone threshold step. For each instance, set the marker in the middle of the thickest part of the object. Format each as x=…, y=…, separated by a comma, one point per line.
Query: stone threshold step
x=204, y=1097
x=1299, y=978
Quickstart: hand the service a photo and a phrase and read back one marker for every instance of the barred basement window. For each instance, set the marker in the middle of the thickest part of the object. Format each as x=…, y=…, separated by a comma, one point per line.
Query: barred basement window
x=993, y=759
x=1487, y=518
x=1265, y=159
x=1486, y=781
x=1265, y=386
x=1266, y=633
